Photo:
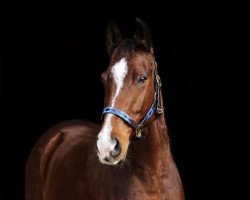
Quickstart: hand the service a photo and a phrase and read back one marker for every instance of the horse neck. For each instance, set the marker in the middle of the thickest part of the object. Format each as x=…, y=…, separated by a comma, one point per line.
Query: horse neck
x=149, y=154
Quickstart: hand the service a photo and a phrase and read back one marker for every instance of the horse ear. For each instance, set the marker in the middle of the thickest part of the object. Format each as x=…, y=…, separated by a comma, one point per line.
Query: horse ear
x=113, y=37
x=142, y=36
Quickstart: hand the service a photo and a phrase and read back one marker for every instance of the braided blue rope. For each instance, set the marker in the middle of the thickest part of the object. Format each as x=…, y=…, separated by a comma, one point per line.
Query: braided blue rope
x=148, y=115
x=129, y=119
x=120, y=114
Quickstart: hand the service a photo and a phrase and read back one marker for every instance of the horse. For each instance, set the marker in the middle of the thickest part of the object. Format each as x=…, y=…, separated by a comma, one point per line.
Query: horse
x=128, y=156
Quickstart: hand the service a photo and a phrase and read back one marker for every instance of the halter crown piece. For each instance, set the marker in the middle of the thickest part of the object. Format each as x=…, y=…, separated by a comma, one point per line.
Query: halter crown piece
x=155, y=107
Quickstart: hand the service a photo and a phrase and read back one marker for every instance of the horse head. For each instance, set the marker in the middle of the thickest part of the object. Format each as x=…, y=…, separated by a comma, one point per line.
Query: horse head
x=132, y=96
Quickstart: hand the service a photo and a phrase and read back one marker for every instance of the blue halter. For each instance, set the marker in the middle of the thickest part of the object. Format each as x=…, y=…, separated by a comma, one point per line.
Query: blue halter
x=156, y=105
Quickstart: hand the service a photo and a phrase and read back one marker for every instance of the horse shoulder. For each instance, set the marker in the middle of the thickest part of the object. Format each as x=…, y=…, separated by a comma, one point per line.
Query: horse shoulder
x=57, y=147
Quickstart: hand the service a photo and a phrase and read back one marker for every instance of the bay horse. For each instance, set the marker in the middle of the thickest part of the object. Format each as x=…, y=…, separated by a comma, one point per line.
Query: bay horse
x=128, y=156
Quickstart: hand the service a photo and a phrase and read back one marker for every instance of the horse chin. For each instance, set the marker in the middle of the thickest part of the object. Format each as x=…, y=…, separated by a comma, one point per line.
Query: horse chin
x=109, y=163
x=118, y=162
x=113, y=162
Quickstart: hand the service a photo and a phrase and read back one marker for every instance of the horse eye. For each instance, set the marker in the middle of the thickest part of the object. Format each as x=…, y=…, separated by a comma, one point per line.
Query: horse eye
x=142, y=78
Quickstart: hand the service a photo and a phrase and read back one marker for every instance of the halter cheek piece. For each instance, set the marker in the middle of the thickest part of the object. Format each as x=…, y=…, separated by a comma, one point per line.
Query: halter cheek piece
x=155, y=107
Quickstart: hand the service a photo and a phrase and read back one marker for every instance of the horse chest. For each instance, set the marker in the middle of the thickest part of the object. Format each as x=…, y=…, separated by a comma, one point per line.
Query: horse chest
x=127, y=188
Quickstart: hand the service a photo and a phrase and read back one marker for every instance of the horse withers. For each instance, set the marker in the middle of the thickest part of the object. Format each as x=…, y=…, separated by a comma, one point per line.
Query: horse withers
x=128, y=156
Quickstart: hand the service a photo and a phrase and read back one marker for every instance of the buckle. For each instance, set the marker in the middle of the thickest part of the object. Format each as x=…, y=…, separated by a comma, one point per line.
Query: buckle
x=158, y=80
x=155, y=95
x=159, y=110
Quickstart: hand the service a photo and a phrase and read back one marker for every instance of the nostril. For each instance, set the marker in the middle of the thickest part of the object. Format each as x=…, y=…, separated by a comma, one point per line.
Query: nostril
x=117, y=148
x=106, y=159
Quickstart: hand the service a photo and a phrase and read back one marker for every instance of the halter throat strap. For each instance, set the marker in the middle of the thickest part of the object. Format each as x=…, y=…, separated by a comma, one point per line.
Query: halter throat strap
x=155, y=108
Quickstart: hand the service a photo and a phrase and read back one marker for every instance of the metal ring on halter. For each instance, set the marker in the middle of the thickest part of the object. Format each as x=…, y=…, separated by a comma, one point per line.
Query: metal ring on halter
x=138, y=132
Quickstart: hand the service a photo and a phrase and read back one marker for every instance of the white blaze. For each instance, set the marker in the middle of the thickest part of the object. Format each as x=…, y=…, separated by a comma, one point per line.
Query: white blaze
x=119, y=71
x=104, y=142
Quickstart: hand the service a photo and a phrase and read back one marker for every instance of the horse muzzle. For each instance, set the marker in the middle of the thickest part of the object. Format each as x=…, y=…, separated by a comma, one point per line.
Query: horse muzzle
x=108, y=151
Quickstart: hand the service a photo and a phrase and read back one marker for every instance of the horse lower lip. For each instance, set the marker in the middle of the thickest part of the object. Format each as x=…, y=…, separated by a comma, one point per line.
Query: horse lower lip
x=109, y=163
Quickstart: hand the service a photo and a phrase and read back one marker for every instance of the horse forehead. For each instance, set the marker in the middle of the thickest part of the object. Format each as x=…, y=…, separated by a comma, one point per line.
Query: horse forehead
x=137, y=62
x=120, y=68
x=119, y=71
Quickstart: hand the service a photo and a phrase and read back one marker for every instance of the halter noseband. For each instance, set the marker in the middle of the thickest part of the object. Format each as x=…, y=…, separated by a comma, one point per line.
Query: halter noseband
x=155, y=107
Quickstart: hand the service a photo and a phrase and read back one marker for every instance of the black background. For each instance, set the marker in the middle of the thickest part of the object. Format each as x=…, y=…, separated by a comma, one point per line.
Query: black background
x=52, y=56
